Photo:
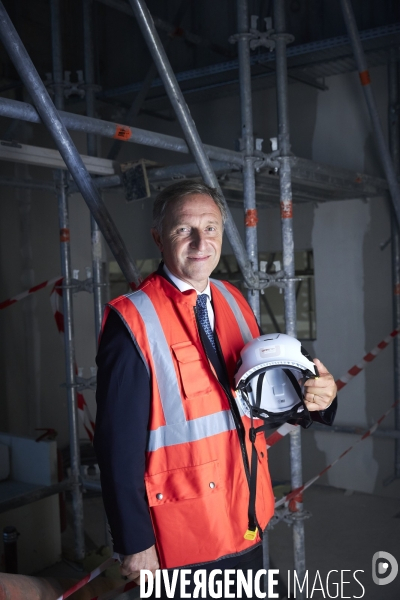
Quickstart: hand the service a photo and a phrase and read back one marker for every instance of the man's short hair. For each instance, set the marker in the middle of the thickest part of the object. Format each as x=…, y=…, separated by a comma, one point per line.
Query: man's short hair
x=177, y=191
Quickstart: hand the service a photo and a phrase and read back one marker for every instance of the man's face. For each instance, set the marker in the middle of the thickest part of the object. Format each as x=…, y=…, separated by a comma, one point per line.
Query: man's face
x=191, y=239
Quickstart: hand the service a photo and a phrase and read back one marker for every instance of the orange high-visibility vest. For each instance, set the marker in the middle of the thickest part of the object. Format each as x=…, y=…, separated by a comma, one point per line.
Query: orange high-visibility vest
x=196, y=482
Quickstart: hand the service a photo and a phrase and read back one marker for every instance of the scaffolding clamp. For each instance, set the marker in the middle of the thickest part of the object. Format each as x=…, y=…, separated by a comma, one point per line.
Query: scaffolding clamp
x=294, y=517
x=81, y=285
x=265, y=280
x=287, y=37
x=266, y=160
x=78, y=285
x=88, y=383
x=90, y=472
x=285, y=515
x=81, y=384
x=259, y=158
x=255, y=37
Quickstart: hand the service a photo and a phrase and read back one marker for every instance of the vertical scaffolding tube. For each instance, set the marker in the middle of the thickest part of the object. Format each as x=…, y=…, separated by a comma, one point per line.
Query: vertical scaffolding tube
x=249, y=185
x=365, y=80
x=192, y=137
x=282, y=38
x=394, y=141
x=97, y=243
x=51, y=119
x=96, y=237
x=63, y=217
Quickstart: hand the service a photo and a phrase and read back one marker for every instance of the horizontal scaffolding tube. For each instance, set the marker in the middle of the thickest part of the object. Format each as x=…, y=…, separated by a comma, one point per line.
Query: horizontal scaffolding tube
x=187, y=170
x=112, y=181
x=94, y=486
x=26, y=112
x=35, y=495
x=154, y=175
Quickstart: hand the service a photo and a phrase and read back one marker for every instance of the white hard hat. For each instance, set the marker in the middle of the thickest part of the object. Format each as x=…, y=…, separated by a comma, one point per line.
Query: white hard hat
x=270, y=376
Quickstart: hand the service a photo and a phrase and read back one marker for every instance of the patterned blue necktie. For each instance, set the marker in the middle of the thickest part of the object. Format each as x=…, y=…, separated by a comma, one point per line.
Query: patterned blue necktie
x=202, y=315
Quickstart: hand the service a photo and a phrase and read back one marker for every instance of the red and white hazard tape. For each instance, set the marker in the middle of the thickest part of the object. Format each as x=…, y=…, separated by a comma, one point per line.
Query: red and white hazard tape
x=95, y=573
x=341, y=382
x=22, y=295
x=117, y=592
x=77, y=586
x=294, y=494
x=280, y=433
x=56, y=302
x=344, y=380
x=56, y=299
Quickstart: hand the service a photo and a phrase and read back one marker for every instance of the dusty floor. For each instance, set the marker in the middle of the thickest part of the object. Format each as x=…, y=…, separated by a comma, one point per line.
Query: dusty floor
x=344, y=532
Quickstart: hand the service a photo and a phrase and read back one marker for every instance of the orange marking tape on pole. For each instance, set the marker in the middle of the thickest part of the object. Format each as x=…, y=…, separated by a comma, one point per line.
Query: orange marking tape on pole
x=365, y=77
x=64, y=235
x=286, y=210
x=251, y=219
x=179, y=32
x=396, y=290
x=123, y=132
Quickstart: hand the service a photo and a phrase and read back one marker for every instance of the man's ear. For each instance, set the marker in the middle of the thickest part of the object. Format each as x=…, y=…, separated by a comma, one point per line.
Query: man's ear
x=157, y=238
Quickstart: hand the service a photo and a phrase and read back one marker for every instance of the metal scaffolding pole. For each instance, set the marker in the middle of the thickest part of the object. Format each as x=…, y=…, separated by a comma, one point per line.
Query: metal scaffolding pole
x=69, y=345
x=26, y=112
x=282, y=39
x=394, y=142
x=50, y=117
x=192, y=137
x=90, y=88
x=96, y=237
x=140, y=97
x=249, y=182
x=365, y=79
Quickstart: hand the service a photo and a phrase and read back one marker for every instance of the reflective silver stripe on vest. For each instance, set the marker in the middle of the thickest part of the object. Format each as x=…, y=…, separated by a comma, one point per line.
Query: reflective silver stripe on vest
x=163, y=365
x=177, y=429
x=191, y=431
x=241, y=321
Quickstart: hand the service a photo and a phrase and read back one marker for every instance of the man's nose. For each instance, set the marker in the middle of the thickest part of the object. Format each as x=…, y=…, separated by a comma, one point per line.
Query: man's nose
x=198, y=239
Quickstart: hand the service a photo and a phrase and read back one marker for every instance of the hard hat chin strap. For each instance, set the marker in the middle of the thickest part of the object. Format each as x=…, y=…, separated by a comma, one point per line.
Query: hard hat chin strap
x=252, y=526
x=273, y=420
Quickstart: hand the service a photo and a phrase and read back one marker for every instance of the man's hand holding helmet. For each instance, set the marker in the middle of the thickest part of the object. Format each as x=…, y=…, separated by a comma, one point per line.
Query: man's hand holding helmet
x=277, y=381
x=320, y=391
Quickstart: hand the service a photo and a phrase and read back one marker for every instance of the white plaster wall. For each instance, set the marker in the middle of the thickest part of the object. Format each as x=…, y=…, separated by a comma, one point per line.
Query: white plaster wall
x=343, y=133
x=338, y=236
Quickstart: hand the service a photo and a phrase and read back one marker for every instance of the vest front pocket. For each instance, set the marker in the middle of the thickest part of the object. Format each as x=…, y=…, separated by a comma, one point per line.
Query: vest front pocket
x=189, y=514
x=193, y=369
